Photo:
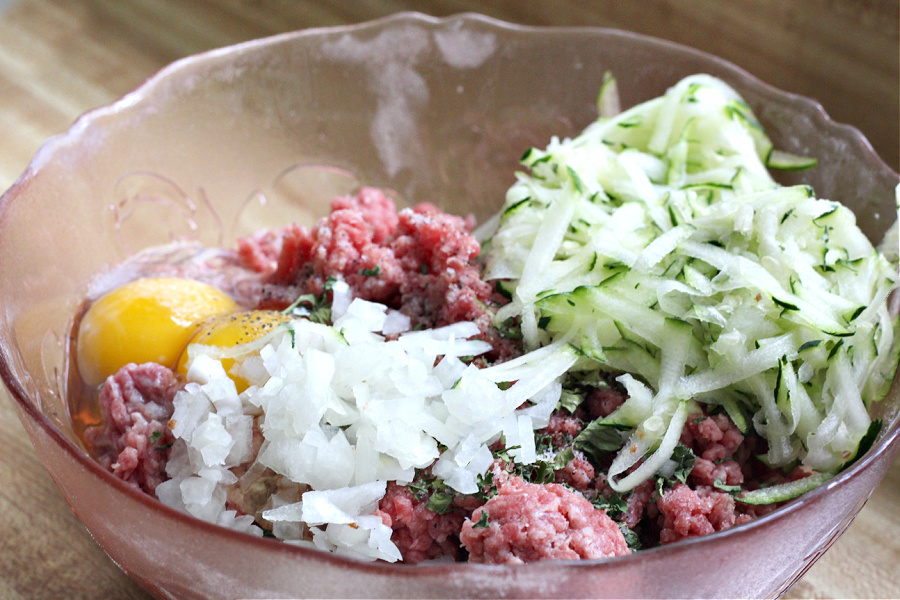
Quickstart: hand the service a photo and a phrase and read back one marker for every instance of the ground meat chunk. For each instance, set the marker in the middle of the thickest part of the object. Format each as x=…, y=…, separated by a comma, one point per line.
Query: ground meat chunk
x=688, y=513
x=436, y=251
x=420, y=261
x=562, y=429
x=419, y=533
x=341, y=245
x=578, y=473
x=707, y=472
x=260, y=251
x=639, y=502
x=376, y=209
x=715, y=440
x=133, y=443
x=711, y=437
x=603, y=400
x=528, y=522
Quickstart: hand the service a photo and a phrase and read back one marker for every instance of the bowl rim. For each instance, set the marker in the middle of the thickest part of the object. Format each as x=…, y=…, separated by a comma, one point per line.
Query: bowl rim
x=53, y=144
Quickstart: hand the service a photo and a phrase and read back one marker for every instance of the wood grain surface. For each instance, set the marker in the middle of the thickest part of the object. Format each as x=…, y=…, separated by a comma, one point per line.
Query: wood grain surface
x=59, y=58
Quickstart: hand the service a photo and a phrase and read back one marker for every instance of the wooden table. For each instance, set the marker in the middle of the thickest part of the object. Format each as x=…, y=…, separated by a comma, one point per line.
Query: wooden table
x=59, y=58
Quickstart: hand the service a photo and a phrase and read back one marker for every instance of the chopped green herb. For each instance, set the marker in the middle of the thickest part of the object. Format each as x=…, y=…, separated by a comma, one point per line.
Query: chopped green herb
x=487, y=488
x=564, y=458
x=482, y=521
x=418, y=488
x=631, y=538
x=684, y=459
x=424, y=483
x=315, y=308
x=597, y=440
x=662, y=484
x=509, y=330
x=440, y=502
x=540, y=472
x=614, y=506
x=503, y=453
x=373, y=272
x=543, y=443
x=570, y=400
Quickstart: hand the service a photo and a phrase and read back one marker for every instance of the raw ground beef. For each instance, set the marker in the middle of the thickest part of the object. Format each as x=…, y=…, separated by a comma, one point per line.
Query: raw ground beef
x=602, y=401
x=640, y=504
x=714, y=440
x=419, y=533
x=420, y=261
x=530, y=521
x=579, y=474
x=137, y=405
x=689, y=513
x=527, y=522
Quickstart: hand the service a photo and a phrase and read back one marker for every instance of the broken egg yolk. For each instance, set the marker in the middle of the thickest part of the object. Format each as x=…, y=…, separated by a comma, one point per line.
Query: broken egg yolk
x=146, y=320
x=228, y=331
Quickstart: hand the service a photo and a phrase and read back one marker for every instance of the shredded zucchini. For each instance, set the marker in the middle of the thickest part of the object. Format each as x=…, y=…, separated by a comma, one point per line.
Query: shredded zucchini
x=657, y=244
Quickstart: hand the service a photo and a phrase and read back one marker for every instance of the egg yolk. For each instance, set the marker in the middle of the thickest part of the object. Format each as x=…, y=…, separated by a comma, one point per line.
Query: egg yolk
x=146, y=320
x=227, y=331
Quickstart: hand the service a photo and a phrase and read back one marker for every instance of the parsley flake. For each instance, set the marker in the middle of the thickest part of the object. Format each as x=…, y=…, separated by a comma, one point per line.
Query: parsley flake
x=631, y=538
x=613, y=506
x=598, y=439
x=482, y=521
x=315, y=308
x=486, y=486
x=440, y=502
x=684, y=459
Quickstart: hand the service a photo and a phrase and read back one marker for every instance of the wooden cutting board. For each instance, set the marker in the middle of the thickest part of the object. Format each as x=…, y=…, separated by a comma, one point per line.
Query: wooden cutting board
x=61, y=58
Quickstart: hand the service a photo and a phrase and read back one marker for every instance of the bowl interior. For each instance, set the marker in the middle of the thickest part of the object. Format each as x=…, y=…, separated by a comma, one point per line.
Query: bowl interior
x=436, y=110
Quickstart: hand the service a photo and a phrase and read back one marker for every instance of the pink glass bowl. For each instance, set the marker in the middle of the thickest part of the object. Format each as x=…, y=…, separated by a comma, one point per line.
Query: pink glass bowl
x=438, y=110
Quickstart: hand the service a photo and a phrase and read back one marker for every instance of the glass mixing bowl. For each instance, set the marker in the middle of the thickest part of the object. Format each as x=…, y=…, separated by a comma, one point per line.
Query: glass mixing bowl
x=438, y=110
